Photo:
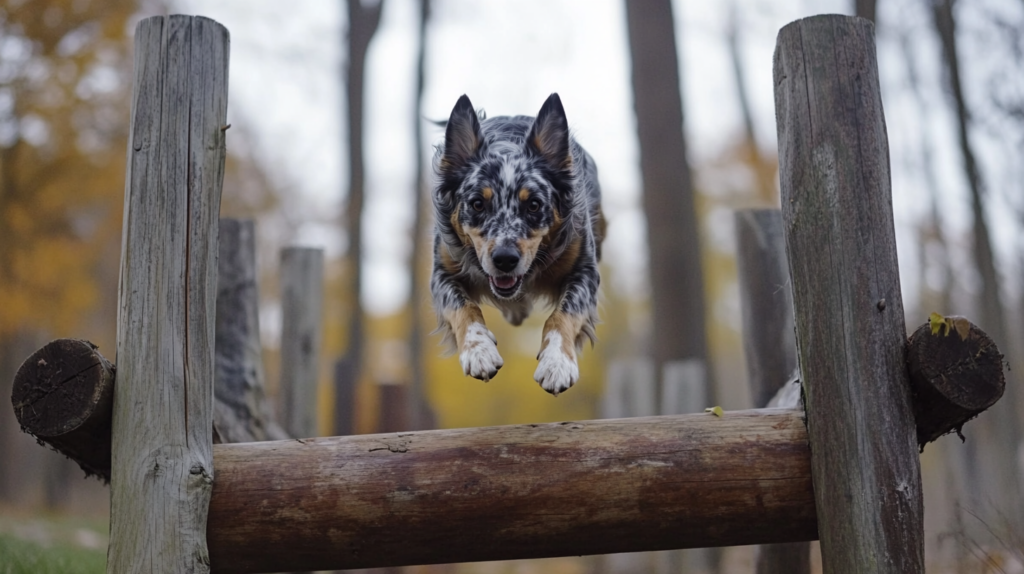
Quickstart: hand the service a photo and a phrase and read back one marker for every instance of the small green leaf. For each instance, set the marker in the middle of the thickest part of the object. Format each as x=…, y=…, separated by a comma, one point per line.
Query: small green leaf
x=937, y=322
x=716, y=410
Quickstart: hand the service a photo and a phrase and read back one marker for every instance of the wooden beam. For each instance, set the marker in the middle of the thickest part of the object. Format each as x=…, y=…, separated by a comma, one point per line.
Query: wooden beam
x=837, y=209
x=525, y=491
x=162, y=459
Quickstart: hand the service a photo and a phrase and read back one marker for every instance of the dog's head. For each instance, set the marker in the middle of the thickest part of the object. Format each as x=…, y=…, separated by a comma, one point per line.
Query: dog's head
x=505, y=190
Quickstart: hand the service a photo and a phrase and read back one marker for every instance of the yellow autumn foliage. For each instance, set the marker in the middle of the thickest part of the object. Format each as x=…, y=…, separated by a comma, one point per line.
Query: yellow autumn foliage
x=66, y=76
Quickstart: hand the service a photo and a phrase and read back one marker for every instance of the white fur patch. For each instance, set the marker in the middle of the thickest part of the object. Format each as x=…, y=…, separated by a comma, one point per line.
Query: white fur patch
x=479, y=355
x=556, y=371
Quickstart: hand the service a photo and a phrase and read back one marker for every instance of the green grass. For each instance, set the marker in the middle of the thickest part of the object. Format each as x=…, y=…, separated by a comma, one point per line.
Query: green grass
x=52, y=544
x=24, y=557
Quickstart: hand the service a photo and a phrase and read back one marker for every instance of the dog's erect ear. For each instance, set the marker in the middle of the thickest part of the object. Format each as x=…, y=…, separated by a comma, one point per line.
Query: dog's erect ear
x=462, y=136
x=549, y=135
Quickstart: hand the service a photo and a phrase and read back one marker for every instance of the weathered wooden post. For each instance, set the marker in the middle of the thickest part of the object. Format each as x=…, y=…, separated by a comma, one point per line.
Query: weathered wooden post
x=302, y=280
x=768, y=340
x=162, y=473
x=242, y=412
x=837, y=208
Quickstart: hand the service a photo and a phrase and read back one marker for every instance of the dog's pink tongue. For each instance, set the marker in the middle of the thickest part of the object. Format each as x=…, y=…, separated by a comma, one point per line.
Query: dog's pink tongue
x=504, y=282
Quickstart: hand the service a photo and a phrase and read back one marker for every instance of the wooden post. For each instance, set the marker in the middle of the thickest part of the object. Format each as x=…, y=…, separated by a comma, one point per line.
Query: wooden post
x=302, y=286
x=768, y=340
x=242, y=412
x=837, y=208
x=162, y=473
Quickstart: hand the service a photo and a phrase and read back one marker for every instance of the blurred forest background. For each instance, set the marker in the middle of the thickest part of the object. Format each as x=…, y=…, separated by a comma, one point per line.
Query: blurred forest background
x=330, y=147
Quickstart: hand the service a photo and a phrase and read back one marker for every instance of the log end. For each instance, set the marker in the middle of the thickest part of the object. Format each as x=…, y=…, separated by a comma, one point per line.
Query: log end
x=63, y=395
x=956, y=373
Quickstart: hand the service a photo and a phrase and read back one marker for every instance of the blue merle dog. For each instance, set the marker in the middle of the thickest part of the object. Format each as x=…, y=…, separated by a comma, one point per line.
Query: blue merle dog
x=518, y=221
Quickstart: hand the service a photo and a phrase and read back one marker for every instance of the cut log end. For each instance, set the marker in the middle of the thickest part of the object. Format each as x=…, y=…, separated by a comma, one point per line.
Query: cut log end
x=953, y=377
x=62, y=395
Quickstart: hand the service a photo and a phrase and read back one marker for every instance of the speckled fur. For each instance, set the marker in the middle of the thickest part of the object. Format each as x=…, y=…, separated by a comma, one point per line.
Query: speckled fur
x=525, y=184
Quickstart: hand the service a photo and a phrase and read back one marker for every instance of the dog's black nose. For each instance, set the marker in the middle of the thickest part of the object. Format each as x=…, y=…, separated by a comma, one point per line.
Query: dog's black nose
x=505, y=258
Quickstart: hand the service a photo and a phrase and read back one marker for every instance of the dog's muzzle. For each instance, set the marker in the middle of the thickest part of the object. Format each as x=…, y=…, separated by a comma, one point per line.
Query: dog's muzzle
x=506, y=260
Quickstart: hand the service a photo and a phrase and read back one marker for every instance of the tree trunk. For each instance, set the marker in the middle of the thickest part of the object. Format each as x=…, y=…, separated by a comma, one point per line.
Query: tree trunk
x=677, y=287
x=996, y=490
x=865, y=9
x=420, y=414
x=363, y=20
x=678, y=340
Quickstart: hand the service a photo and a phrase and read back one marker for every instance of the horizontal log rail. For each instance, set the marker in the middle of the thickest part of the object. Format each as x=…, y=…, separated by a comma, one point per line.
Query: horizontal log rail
x=525, y=491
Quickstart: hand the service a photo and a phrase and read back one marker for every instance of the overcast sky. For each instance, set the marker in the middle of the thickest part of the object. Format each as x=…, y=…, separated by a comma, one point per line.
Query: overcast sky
x=286, y=69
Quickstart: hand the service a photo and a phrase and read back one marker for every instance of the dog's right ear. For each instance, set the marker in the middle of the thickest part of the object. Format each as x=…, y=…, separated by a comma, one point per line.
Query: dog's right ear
x=462, y=136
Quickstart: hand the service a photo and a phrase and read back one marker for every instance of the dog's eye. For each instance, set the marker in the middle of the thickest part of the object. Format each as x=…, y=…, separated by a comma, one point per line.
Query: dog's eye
x=478, y=204
x=533, y=206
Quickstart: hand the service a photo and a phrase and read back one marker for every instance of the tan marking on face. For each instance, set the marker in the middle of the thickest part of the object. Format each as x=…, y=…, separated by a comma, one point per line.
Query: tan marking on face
x=460, y=320
x=481, y=244
x=457, y=225
x=487, y=192
x=555, y=226
x=524, y=194
x=529, y=245
x=568, y=326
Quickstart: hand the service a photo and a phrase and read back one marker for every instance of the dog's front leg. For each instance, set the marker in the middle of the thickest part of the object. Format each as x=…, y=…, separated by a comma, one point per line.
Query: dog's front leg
x=565, y=331
x=478, y=350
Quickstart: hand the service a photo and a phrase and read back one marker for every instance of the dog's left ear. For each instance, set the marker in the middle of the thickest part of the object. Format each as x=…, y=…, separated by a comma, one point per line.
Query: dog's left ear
x=549, y=135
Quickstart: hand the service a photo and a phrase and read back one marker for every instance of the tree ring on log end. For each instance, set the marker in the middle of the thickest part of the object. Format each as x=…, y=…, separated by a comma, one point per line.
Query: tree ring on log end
x=63, y=395
x=953, y=379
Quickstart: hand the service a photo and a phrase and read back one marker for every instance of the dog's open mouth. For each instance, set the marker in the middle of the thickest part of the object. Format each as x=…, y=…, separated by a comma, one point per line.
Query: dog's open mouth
x=506, y=285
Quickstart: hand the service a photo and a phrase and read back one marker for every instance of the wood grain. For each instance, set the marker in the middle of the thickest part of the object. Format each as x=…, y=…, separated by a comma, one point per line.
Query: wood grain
x=162, y=472
x=525, y=491
x=242, y=412
x=302, y=293
x=837, y=209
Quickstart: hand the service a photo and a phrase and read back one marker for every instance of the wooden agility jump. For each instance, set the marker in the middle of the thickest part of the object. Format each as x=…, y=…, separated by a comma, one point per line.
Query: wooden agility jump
x=181, y=504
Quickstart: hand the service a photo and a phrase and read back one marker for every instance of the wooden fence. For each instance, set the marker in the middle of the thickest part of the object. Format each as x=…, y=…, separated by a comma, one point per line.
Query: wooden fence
x=180, y=503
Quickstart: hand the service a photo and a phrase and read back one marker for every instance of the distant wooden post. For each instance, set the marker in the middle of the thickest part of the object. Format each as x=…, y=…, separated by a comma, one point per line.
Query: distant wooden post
x=242, y=412
x=162, y=473
x=837, y=208
x=302, y=280
x=768, y=340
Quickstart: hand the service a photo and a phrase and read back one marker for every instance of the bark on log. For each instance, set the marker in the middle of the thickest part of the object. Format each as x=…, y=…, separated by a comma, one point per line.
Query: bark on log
x=526, y=491
x=90, y=398
x=63, y=395
x=162, y=452
x=955, y=375
x=837, y=208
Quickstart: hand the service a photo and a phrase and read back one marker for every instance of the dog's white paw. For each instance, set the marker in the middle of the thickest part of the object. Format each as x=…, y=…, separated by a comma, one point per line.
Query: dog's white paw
x=479, y=356
x=556, y=371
